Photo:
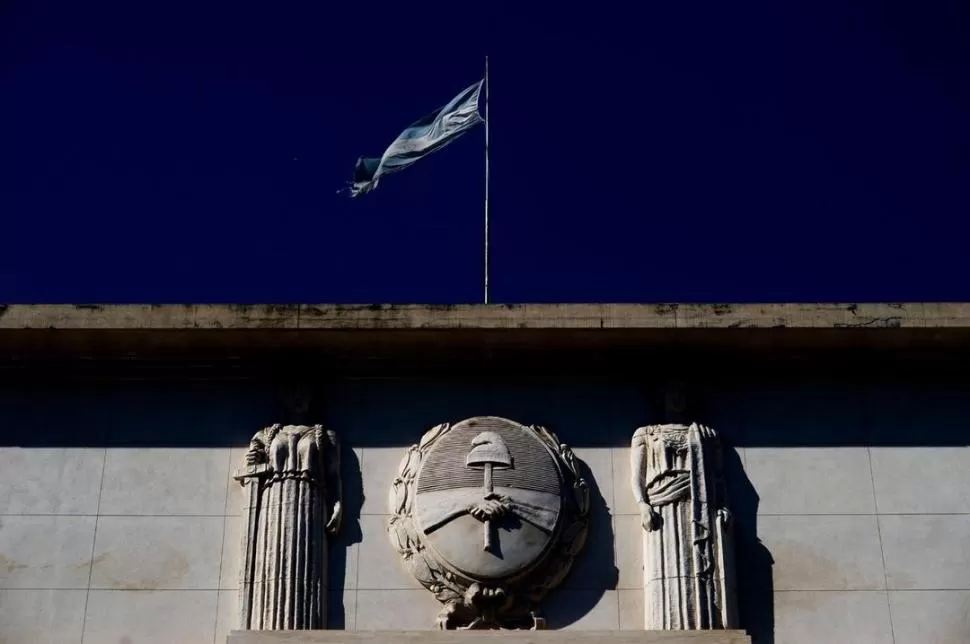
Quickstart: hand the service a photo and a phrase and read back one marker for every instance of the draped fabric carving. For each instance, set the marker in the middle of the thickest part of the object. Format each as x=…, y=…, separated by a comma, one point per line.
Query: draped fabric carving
x=688, y=567
x=292, y=483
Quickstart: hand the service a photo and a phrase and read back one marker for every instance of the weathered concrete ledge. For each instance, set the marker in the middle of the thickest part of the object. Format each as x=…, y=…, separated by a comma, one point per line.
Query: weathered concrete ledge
x=582, y=338
x=463, y=637
x=482, y=316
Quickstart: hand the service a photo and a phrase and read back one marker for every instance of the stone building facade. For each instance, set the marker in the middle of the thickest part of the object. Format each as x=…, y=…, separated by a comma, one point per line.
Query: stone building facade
x=843, y=429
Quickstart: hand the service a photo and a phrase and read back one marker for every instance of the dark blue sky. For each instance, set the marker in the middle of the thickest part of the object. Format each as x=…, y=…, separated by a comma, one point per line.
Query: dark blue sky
x=168, y=151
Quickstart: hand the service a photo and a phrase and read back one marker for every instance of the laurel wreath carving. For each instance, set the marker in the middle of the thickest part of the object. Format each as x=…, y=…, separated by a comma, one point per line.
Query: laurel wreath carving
x=516, y=599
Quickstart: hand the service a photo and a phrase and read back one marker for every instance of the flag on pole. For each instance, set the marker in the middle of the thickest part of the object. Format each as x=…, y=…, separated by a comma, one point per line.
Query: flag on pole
x=433, y=132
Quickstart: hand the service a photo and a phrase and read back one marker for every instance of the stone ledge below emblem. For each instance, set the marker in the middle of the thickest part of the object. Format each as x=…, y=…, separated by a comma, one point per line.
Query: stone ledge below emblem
x=451, y=637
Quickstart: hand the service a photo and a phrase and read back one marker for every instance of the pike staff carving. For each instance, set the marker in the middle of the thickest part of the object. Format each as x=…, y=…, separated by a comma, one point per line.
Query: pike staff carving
x=688, y=553
x=488, y=515
x=293, y=502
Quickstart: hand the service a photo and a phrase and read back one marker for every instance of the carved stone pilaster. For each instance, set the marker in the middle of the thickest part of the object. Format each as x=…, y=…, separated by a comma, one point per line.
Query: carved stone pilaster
x=688, y=552
x=292, y=481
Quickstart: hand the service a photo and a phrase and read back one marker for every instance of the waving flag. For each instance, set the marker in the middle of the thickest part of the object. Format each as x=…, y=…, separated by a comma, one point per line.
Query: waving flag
x=433, y=132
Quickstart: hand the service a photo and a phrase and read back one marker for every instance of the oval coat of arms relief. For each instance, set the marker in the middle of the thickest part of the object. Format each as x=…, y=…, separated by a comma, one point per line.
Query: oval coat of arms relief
x=488, y=515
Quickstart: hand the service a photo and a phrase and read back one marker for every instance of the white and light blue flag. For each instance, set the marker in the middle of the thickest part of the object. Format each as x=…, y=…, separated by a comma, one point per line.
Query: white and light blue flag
x=433, y=132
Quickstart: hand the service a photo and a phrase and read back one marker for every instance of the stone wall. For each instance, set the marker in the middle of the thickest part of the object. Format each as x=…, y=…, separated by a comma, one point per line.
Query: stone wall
x=119, y=520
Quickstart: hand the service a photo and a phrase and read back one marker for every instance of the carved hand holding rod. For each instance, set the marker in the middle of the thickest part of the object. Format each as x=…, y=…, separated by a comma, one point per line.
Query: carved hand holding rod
x=688, y=567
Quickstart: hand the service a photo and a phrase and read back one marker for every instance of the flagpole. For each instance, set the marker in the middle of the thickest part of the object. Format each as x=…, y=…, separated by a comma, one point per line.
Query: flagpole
x=486, y=179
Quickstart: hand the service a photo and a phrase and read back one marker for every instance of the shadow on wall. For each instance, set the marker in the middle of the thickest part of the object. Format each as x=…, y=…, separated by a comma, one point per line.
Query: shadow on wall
x=782, y=410
x=342, y=546
x=136, y=413
x=753, y=560
x=594, y=570
x=805, y=410
x=826, y=444
x=396, y=412
x=721, y=405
